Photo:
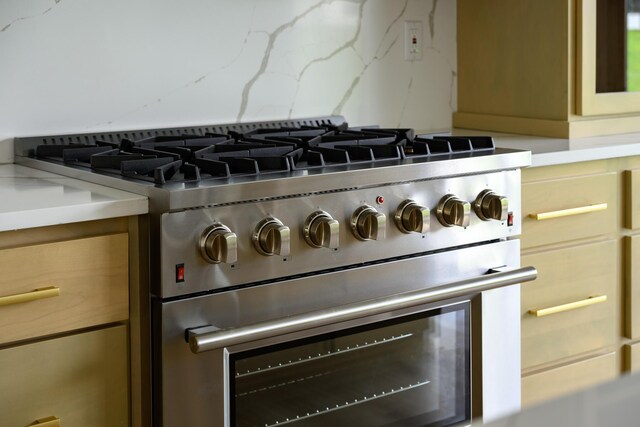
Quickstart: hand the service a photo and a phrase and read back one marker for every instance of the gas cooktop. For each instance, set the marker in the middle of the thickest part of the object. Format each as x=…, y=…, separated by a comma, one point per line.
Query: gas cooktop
x=180, y=168
x=200, y=154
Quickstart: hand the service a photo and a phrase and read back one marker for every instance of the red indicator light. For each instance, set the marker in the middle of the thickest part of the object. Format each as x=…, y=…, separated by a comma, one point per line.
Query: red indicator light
x=179, y=273
x=379, y=200
x=510, y=219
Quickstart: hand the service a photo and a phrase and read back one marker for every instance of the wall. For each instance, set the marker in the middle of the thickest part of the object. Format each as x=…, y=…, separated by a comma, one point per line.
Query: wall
x=71, y=66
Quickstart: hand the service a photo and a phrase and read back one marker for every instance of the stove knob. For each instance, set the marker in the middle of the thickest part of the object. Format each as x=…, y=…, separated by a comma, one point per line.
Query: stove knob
x=368, y=224
x=271, y=237
x=489, y=205
x=412, y=218
x=453, y=211
x=321, y=230
x=218, y=244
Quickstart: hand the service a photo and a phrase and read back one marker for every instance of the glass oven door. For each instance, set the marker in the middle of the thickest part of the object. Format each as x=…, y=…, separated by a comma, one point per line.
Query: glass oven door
x=407, y=371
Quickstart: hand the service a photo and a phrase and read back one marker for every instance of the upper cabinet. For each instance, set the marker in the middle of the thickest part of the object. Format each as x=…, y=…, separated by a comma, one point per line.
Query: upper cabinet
x=532, y=67
x=608, y=57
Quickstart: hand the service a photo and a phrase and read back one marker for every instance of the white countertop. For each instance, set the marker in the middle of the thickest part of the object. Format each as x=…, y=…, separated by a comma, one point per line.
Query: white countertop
x=34, y=198
x=556, y=151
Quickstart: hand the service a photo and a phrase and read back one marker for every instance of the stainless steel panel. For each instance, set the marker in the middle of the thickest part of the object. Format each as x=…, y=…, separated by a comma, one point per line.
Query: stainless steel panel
x=193, y=385
x=212, y=338
x=181, y=231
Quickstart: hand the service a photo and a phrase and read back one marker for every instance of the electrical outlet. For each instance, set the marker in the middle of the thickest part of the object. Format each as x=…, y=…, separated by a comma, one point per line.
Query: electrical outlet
x=413, y=40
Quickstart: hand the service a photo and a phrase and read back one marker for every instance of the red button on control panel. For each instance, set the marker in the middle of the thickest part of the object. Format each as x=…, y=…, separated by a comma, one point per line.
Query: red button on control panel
x=510, y=219
x=179, y=273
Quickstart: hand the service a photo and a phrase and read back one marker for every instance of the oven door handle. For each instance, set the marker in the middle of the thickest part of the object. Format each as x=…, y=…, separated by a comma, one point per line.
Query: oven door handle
x=211, y=338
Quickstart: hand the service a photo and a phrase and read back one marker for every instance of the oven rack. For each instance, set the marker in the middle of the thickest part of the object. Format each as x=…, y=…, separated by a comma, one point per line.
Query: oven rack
x=319, y=356
x=346, y=405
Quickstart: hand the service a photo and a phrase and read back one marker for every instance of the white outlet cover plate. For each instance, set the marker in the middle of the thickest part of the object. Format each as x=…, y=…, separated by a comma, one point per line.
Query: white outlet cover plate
x=413, y=41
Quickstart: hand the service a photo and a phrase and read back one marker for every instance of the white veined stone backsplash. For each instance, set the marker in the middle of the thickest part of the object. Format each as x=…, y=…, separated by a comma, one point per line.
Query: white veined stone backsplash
x=71, y=66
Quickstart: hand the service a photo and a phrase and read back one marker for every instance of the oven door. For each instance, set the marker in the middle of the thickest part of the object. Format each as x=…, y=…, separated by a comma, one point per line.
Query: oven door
x=391, y=344
x=408, y=371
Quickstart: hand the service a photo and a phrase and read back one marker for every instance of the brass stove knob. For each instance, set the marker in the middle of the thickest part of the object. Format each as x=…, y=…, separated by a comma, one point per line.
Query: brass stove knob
x=368, y=224
x=271, y=237
x=321, y=230
x=412, y=218
x=488, y=205
x=218, y=244
x=452, y=211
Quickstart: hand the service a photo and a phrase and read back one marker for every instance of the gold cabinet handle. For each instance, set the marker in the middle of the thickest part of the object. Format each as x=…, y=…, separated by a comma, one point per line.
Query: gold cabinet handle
x=46, y=422
x=48, y=292
x=595, y=299
x=569, y=212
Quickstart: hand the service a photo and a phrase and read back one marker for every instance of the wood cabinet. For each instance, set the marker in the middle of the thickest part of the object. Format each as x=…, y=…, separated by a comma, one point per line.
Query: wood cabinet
x=565, y=379
x=572, y=314
x=65, y=326
x=572, y=307
x=87, y=278
x=80, y=379
x=528, y=67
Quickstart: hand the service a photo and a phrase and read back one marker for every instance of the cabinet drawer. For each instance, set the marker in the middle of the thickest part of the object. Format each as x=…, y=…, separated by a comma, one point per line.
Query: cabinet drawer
x=566, y=276
x=80, y=379
x=91, y=275
x=570, y=378
x=568, y=209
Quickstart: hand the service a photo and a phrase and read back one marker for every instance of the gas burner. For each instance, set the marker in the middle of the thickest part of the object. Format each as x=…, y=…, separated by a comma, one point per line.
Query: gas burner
x=263, y=150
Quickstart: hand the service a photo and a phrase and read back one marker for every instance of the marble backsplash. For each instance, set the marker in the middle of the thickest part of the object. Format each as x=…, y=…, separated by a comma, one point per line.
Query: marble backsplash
x=71, y=66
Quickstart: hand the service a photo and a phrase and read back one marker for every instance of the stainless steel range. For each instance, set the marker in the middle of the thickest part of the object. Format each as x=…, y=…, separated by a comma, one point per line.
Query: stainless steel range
x=303, y=272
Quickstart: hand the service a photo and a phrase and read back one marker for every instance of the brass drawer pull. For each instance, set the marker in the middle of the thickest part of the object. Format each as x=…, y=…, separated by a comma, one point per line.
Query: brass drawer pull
x=48, y=292
x=569, y=212
x=595, y=299
x=46, y=422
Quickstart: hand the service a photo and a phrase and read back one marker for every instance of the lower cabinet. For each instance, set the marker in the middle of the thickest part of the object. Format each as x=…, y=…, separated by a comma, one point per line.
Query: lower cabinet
x=77, y=380
x=565, y=379
x=572, y=307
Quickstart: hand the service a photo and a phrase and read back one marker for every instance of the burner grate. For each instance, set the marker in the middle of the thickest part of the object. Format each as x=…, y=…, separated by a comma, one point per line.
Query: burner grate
x=225, y=151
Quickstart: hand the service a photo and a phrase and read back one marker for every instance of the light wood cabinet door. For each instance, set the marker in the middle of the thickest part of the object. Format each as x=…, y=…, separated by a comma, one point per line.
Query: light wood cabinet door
x=569, y=378
x=562, y=210
x=571, y=275
x=80, y=379
x=91, y=276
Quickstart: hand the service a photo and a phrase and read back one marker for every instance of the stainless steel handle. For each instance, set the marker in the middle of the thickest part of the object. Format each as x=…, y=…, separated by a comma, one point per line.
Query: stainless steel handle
x=569, y=212
x=211, y=338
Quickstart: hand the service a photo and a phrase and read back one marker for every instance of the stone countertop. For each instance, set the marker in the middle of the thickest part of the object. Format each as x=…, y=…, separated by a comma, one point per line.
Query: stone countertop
x=556, y=151
x=33, y=198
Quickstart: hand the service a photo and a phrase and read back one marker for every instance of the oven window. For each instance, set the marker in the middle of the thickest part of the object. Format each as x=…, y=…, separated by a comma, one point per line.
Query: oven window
x=409, y=371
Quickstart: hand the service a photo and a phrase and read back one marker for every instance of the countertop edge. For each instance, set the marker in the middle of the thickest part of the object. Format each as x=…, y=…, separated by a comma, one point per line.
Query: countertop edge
x=33, y=198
